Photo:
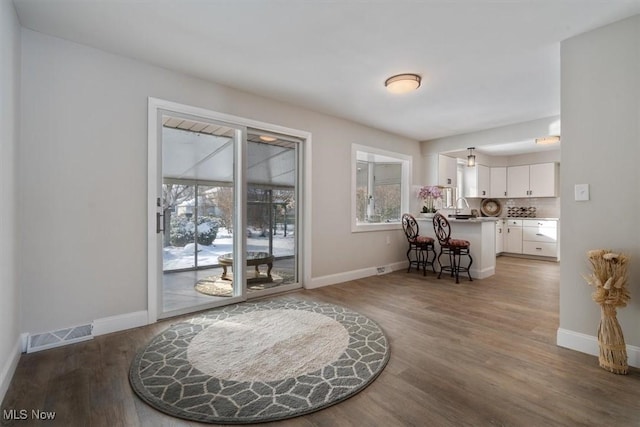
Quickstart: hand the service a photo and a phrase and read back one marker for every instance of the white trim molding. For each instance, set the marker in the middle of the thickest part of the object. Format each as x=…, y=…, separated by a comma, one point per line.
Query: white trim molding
x=333, y=279
x=120, y=322
x=9, y=368
x=589, y=344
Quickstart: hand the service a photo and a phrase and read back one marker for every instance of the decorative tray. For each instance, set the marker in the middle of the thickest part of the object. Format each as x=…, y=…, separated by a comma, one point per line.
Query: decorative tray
x=491, y=207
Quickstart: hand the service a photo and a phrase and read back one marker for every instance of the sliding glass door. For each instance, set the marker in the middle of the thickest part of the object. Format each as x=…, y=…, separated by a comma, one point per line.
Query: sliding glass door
x=228, y=215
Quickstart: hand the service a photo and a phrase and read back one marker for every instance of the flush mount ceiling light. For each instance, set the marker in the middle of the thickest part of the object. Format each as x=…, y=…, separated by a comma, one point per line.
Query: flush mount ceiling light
x=471, y=158
x=267, y=138
x=403, y=83
x=553, y=139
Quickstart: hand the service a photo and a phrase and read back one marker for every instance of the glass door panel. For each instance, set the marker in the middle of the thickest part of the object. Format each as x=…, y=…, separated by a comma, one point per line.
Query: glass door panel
x=198, y=202
x=272, y=188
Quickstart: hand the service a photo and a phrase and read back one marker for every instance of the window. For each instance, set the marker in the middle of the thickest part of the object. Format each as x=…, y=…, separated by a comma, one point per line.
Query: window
x=380, y=187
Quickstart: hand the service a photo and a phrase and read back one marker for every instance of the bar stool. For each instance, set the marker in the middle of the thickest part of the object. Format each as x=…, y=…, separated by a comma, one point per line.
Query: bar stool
x=454, y=248
x=419, y=245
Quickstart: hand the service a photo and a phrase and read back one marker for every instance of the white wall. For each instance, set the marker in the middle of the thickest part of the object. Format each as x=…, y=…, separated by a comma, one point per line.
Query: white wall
x=9, y=135
x=83, y=172
x=600, y=147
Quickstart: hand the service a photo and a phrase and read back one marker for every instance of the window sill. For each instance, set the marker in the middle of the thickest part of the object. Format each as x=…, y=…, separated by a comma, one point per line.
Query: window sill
x=376, y=226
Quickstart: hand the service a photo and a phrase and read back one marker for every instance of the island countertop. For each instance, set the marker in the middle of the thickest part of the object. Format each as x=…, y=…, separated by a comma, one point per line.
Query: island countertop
x=480, y=232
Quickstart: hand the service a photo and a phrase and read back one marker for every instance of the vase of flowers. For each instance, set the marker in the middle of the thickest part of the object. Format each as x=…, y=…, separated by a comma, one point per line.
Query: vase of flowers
x=609, y=279
x=429, y=194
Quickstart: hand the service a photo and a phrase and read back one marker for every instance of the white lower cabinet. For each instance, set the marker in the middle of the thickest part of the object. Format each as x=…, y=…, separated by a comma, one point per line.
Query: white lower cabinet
x=530, y=237
x=513, y=240
x=500, y=227
x=540, y=237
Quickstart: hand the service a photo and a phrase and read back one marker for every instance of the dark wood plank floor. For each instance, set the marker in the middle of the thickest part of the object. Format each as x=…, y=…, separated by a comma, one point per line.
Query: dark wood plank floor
x=475, y=354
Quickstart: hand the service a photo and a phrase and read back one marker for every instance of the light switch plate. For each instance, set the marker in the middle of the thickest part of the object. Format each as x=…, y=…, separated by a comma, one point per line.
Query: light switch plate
x=581, y=192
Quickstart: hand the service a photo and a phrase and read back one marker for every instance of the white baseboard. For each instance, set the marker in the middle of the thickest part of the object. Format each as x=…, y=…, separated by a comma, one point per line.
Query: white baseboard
x=9, y=367
x=332, y=279
x=589, y=344
x=120, y=322
x=483, y=274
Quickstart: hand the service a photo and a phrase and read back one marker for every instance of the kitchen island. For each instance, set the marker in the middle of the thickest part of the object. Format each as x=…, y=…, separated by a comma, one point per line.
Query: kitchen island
x=480, y=232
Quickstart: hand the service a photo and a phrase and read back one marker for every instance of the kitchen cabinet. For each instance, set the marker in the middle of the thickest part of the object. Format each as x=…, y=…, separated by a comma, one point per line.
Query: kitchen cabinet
x=441, y=170
x=540, y=237
x=477, y=181
x=498, y=182
x=500, y=227
x=518, y=181
x=539, y=180
x=513, y=239
x=543, y=180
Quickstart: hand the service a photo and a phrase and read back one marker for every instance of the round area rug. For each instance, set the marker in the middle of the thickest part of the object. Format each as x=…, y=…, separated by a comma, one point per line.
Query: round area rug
x=259, y=361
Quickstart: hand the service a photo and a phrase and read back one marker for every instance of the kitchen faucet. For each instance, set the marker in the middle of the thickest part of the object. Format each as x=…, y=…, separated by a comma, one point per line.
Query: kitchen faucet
x=456, y=210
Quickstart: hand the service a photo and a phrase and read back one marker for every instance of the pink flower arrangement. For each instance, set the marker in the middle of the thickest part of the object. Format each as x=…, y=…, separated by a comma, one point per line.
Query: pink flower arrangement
x=429, y=192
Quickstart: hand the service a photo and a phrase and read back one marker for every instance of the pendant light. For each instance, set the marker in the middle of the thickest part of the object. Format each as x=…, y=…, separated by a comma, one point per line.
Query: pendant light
x=471, y=158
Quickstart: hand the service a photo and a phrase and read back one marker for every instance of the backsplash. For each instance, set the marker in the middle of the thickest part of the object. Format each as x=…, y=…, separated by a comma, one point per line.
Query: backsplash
x=543, y=207
x=521, y=212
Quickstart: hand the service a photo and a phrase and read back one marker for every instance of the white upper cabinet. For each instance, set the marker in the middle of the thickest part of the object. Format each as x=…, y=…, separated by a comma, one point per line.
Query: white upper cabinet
x=441, y=170
x=540, y=180
x=477, y=181
x=518, y=181
x=543, y=180
x=498, y=182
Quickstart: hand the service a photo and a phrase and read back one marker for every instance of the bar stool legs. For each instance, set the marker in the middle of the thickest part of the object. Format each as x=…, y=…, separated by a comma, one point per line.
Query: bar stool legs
x=455, y=267
x=421, y=257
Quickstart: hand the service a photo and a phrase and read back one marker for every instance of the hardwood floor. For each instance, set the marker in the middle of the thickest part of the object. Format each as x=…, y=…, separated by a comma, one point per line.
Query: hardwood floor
x=477, y=353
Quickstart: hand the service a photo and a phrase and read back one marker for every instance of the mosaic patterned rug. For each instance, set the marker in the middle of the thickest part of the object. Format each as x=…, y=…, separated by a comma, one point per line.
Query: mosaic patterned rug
x=259, y=361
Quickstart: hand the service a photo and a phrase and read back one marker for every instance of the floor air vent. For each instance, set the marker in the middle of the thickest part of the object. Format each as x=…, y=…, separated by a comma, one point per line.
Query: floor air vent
x=382, y=270
x=58, y=338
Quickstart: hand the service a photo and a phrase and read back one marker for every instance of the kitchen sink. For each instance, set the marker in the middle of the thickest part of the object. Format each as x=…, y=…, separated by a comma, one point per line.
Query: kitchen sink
x=461, y=216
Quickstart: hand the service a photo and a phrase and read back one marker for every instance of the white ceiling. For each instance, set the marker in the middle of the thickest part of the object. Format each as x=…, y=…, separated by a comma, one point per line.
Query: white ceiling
x=484, y=63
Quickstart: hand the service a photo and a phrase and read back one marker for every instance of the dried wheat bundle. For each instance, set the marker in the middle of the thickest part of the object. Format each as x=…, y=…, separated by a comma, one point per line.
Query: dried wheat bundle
x=609, y=278
x=613, y=350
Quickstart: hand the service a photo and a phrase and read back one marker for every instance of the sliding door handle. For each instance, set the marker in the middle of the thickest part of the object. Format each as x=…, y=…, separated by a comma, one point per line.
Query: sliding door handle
x=159, y=223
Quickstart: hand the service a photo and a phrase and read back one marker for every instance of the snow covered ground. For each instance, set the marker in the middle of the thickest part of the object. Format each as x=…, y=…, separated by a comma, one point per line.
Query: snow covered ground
x=175, y=258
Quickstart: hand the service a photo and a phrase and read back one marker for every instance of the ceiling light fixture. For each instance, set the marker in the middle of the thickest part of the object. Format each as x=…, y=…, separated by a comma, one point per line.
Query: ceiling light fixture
x=471, y=158
x=267, y=138
x=403, y=83
x=553, y=139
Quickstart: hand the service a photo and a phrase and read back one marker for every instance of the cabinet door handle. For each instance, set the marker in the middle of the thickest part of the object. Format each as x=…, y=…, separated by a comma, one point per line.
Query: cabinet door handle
x=539, y=234
x=505, y=193
x=538, y=249
x=484, y=193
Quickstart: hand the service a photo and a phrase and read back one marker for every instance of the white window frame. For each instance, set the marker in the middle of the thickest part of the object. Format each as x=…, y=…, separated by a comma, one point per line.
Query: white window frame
x=405, y=186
